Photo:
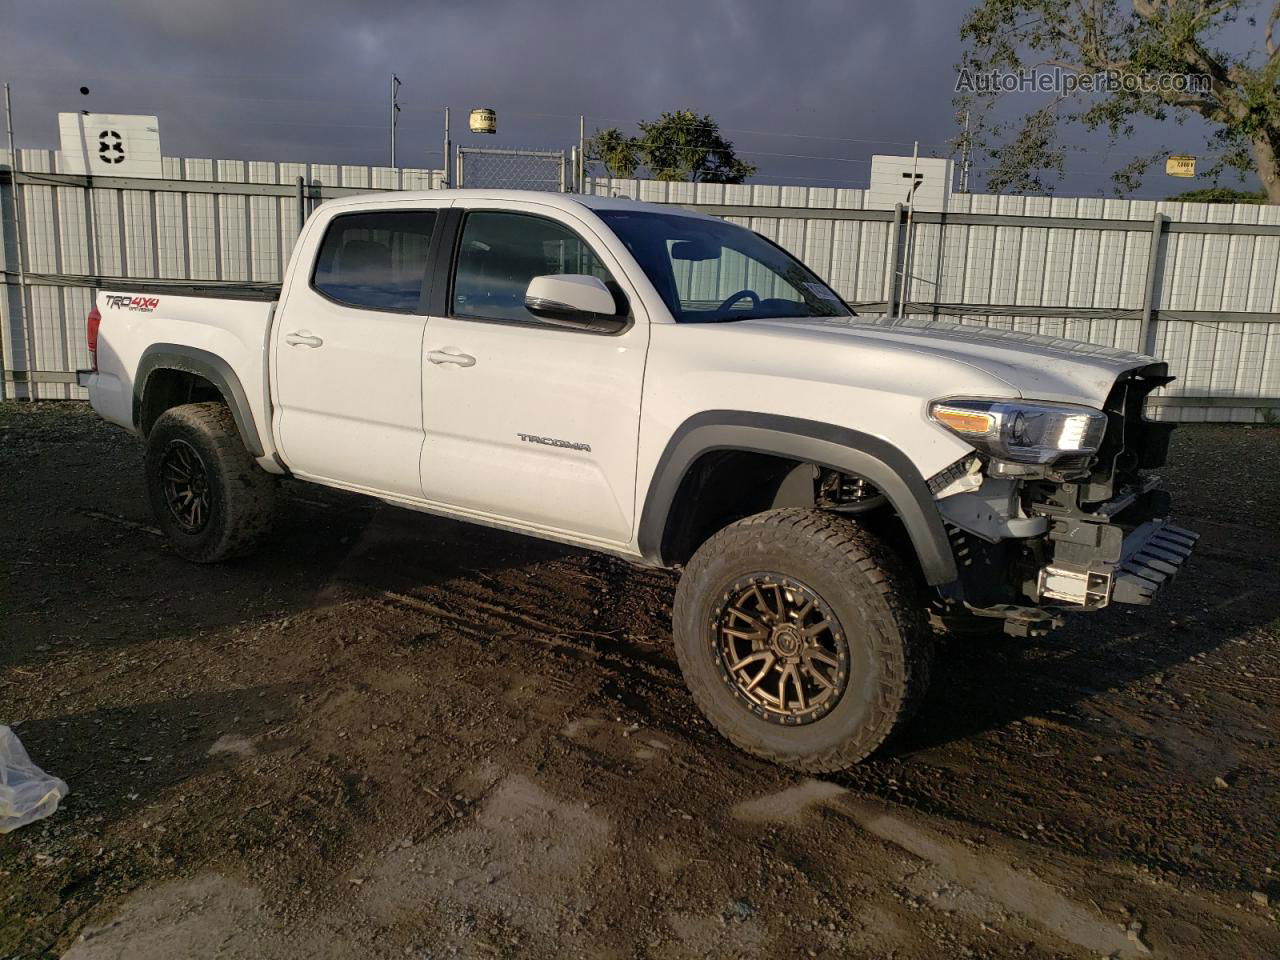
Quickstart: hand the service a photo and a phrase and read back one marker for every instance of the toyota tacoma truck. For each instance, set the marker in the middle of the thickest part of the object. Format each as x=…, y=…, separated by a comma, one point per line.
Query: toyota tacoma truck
x=676, y=390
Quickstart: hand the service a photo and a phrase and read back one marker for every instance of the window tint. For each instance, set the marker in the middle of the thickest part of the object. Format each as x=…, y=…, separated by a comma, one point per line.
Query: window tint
x=711, y=271
x=501, y=252
x=376, y=260
x=702, y=285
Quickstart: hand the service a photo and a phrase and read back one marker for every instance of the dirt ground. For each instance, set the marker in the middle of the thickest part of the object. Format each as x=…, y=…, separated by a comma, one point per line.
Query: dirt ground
x=389, y=735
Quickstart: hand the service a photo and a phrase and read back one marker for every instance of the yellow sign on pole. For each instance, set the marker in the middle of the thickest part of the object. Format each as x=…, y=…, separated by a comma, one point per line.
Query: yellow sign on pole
x=1180, y=165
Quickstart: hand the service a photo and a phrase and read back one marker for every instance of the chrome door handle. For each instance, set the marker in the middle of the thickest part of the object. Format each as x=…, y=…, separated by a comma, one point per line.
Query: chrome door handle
x=449, y=356
x=302, y=338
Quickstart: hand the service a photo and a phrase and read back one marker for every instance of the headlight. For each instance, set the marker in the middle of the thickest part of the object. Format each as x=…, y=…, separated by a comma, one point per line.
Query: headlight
x=1024, y=431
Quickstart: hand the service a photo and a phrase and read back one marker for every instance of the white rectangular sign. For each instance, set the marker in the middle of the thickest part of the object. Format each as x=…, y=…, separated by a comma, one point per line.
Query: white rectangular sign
x=892, y=179
x=110, y=144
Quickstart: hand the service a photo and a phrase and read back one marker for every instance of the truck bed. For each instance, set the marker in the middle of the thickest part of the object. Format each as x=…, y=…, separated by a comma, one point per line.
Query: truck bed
x=219, y=330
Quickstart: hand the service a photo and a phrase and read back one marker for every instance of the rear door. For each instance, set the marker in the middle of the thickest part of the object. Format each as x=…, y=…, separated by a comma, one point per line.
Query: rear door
x=348, y=351
x=527, y=421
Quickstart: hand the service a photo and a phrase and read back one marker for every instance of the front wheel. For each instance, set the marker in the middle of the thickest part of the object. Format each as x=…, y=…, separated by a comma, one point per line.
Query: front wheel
x=206, y=492
x=801, y=638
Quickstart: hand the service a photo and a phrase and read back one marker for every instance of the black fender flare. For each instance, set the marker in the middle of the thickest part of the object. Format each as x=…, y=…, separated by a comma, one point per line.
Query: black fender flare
x=810, y=441
x=202, y=363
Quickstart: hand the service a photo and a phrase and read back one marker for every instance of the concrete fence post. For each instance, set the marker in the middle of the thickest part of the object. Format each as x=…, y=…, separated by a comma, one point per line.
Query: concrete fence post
x=891, y=262
x=1150, y=293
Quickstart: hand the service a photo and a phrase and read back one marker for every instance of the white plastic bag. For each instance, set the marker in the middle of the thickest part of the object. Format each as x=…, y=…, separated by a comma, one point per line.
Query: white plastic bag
x=27, y=793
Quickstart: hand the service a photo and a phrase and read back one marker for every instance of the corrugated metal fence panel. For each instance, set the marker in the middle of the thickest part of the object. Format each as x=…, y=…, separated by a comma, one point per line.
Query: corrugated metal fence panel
x=175, y=234
x=1007, y=265
x=1074, y=267
x=149, y=233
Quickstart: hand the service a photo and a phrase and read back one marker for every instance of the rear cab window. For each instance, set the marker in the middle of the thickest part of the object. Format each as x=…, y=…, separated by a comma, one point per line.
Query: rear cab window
x=376, y=260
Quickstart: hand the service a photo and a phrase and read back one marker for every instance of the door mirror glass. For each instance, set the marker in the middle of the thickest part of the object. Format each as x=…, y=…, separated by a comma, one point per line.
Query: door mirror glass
x=573, y=300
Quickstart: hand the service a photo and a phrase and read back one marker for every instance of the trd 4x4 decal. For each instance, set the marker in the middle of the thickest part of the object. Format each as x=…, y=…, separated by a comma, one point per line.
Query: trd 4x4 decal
x=137, y=304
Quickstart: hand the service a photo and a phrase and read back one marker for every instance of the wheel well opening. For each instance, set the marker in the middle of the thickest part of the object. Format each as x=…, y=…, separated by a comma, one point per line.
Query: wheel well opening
x=724, y=486
x=168, y=388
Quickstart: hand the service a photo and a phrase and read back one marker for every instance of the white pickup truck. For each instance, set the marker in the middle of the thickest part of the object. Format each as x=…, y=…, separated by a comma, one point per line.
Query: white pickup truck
x=676, y=390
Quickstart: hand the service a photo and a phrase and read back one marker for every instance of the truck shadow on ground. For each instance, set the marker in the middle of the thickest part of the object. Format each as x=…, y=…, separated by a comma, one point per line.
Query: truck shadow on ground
x=324, y=544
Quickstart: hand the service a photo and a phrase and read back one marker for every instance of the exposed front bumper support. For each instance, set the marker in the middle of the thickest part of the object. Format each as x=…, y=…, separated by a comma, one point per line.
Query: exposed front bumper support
x=1149, y=557
x=1152, y=555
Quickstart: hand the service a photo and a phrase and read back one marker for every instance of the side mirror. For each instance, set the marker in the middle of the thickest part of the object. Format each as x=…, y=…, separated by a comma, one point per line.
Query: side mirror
x=573, y=300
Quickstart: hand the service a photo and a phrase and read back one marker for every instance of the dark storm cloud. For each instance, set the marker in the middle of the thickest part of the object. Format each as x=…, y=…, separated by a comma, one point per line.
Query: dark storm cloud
x=307, y=79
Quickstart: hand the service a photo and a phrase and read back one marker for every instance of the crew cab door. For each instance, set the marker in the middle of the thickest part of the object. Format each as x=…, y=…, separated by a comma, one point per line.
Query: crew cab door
x=348, y=350
x=528, y=421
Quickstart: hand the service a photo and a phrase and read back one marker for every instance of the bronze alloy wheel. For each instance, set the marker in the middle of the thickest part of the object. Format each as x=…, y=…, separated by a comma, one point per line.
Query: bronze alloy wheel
x=185, y=483
x=780, y=649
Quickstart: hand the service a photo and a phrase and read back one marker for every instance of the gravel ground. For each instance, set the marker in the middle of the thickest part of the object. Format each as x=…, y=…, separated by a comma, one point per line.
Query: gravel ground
x=389, y=735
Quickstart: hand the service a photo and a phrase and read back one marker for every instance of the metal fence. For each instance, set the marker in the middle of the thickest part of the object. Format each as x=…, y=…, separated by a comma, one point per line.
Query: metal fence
x=512, y=169
x=208, y=222
x=1196, y=284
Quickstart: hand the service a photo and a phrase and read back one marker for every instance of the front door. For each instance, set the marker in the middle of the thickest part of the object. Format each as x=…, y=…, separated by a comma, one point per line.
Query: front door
x=526, y=421
x=348, y=353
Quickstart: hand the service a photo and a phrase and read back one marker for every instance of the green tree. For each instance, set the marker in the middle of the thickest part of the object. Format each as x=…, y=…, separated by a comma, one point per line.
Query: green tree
x=677, y=146
x=1135, y=44
x=618, y=152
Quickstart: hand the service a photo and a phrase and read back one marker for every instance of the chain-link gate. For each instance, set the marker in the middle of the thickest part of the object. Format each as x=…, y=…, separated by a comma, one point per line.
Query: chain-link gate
x=512, y=169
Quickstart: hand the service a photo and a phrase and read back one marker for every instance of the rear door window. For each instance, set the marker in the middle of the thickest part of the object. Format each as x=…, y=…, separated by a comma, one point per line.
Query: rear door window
x=376, y=260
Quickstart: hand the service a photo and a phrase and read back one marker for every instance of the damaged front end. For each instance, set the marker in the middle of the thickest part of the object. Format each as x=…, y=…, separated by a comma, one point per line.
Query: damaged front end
x=1058, y=515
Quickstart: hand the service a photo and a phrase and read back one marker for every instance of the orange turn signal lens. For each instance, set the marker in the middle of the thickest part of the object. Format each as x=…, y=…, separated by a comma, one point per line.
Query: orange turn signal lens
x=965, y=421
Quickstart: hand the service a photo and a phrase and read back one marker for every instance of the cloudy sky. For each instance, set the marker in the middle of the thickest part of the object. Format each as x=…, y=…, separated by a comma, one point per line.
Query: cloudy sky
x=807, y=89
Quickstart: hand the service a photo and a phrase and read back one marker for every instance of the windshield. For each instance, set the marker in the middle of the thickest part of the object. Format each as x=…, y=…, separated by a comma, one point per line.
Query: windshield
x=711, y=270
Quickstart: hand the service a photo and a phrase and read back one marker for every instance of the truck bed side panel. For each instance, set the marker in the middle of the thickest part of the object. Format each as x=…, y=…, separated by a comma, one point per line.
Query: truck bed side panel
x=133, y=324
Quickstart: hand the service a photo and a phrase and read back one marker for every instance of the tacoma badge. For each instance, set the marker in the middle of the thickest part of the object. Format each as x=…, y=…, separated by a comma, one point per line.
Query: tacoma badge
x=553, y=442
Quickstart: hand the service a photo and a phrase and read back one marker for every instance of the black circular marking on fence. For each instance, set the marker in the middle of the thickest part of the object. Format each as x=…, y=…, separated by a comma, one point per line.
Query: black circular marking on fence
x=110, y=147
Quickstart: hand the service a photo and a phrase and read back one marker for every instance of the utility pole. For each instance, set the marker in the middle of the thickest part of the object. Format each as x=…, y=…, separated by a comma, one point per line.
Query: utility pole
x=906, y=245
x=581, y=168
x=444, y=164
x=395, y=110
x=29, y=334
x=965, y=154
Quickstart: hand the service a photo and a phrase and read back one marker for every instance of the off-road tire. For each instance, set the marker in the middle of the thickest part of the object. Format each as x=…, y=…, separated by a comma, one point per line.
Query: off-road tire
x=241, y=494
x=879, y=608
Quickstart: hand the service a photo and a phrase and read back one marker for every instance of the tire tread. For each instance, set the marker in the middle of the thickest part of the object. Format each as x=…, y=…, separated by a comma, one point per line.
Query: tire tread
x=249, y=490
x=906, y=662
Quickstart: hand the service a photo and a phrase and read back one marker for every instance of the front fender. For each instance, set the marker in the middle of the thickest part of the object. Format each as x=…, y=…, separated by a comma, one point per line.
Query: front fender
x=810, y=441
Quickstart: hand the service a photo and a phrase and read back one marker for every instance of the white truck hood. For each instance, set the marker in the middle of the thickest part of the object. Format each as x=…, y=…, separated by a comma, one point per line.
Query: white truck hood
x=1035, y=367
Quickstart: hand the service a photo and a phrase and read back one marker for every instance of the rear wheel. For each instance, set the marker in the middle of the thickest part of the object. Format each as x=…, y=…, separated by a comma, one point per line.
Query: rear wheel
x=802, y=638
x=207, y=493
